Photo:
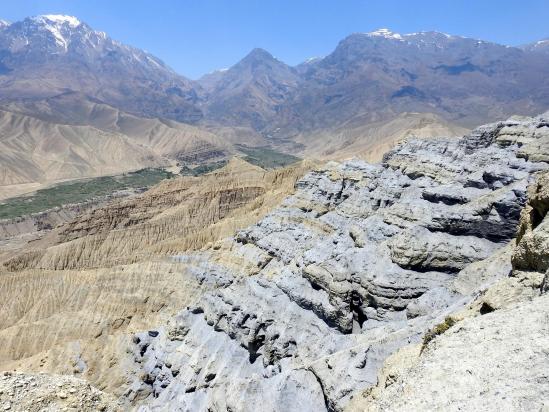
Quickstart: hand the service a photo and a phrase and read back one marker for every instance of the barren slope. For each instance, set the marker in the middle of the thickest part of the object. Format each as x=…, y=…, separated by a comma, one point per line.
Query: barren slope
x=39, y=146
x=33, y=151
x=370, y=141
x=176, y=215
x=80, y=321
x=163, y=136
x=301, y=310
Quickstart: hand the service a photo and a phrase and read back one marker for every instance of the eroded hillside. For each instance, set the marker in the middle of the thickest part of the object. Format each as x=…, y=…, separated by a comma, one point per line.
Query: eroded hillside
x=78, y=321
x=174, y=216
x=361, y=261
x=358, y=291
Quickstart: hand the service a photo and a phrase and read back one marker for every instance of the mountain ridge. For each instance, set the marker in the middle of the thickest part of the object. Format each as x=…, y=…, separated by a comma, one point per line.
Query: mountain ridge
x=59, y=69
x=282, y=98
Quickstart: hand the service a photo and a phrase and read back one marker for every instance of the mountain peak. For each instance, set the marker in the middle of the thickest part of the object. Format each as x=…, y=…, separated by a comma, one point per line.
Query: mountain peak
x=385, y=33
x=57, y=19
x=539, y=46
x=4, y=23
x=257, y=58
x=60, y=27
x=259, y=53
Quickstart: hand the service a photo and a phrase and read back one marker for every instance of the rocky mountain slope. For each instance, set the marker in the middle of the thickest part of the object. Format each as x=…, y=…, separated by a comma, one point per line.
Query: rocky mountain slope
x=47, y=55
x=369, y=80
x=366, y=284
x=251, y=92
x=361, y=261
x=80, y=321
x=484, y=361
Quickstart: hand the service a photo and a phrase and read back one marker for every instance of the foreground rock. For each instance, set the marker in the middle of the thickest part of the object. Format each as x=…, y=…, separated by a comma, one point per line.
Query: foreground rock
x=498, y=361
x=361, y=261
x=497, y=357
x=81, y=321
x=33, y=393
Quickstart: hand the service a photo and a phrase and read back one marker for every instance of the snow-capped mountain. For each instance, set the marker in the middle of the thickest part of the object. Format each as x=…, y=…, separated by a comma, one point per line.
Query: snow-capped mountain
x=56, y=53
x=59, y=34
x=368, y=77
x=385, y=33
x=541, y=46
x=375, y=75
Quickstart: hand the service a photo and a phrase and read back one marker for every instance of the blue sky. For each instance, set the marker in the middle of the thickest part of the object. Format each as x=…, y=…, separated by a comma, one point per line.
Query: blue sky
x=195, y=37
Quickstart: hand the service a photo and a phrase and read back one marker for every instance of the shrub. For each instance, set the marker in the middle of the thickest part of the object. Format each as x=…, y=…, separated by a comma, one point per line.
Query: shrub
x=437, y=330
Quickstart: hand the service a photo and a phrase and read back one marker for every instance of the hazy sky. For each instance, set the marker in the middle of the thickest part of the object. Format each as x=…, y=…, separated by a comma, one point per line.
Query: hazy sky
x=195, y=37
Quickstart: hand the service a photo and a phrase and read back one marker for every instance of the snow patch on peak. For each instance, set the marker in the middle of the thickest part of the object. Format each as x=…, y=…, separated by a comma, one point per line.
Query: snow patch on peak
x=58, y=19
x=313, y=59
x=4, y=23
x=386, y=33
x=426, y=33
x=57, y=24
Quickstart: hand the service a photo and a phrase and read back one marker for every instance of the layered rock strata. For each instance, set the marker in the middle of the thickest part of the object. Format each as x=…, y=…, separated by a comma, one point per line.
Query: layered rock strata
x=362, y=260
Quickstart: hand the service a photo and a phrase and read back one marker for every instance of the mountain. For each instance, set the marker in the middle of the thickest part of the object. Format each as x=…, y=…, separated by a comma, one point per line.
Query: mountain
x=371, y=91
x=369, y=77
x=166, y=137
x=33, y=151
x=72, y=136
x=251, y=92
x=47, y=55
x=375, y=76
x=541, y=46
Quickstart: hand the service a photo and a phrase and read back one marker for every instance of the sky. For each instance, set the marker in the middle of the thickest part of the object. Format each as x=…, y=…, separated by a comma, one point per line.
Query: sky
x=197, y=37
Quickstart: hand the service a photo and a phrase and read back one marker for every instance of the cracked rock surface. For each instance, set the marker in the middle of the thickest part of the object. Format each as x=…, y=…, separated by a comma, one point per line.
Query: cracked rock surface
x=362, y=260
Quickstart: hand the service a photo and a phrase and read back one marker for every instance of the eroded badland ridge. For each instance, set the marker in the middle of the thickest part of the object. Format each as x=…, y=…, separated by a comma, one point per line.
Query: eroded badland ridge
x=417, y=283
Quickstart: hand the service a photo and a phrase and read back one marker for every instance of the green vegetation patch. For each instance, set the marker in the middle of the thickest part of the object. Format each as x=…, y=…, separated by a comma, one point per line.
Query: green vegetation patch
x=202, y=169
x=80, y=191
x=267, y=158
x=437, y=330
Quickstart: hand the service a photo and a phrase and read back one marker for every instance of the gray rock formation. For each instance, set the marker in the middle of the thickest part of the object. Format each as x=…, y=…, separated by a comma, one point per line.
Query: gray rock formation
x=361, y=261
x=484, y=364
x=495, y=357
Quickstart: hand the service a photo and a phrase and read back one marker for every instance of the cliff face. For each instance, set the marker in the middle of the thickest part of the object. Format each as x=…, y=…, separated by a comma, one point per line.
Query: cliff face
x=362, y=260
x=496, y=356
x=359, y=290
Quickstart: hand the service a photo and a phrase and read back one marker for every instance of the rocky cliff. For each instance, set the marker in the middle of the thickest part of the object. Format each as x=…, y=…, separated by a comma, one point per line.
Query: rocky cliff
x=495, y=356
x=363, y=260
x=417, y=283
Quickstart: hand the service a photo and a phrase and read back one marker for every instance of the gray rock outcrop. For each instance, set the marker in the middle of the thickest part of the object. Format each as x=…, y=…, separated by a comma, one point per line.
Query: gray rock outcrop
x=362, y=260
